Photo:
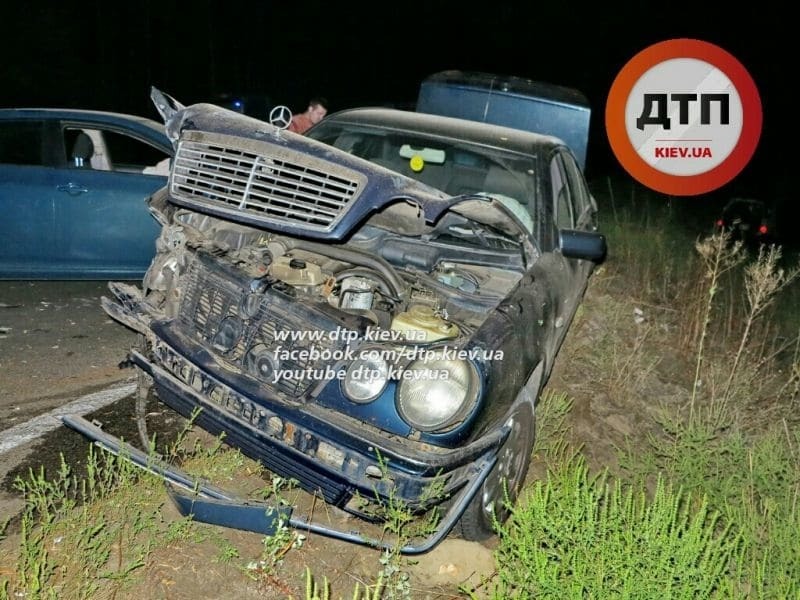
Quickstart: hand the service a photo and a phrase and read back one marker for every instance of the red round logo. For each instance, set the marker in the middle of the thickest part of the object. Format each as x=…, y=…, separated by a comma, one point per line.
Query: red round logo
x=683, y=117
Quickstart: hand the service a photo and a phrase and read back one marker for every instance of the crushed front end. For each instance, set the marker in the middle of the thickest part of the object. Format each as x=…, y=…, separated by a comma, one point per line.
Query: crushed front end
x=314, y=308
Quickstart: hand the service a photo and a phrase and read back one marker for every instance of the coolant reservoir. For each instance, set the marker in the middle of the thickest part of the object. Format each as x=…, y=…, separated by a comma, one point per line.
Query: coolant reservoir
x=295, y=271
x=421, y=318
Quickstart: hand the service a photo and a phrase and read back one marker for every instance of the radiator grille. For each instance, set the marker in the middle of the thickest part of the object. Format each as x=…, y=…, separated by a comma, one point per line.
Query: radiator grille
x=212, y=302
x=273, y=185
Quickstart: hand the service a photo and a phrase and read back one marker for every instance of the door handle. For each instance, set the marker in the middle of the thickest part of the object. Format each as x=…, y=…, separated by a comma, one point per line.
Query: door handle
x=73, y=189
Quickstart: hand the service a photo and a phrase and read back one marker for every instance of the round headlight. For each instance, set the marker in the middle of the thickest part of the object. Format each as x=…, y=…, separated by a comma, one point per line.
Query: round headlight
x=366, y=377
x=435, y=393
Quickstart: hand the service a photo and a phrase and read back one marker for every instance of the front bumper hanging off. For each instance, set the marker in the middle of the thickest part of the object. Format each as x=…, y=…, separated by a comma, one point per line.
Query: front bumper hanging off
x=209, y=504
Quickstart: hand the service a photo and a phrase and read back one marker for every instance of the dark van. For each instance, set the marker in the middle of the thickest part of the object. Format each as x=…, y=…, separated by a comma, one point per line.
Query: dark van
x=512, y=102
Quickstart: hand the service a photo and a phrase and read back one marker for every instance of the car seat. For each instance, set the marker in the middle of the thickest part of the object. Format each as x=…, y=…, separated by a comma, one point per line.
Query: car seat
x=82, y=151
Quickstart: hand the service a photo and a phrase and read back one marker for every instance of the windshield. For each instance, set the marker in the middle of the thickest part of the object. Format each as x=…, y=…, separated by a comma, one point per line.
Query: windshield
x=453, y=166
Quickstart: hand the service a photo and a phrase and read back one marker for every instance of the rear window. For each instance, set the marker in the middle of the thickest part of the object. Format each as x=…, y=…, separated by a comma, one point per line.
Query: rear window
x=21, y=142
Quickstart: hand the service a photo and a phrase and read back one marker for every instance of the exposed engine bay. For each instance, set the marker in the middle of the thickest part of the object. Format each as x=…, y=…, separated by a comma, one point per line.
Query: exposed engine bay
x=240, y=290
x=377, y=275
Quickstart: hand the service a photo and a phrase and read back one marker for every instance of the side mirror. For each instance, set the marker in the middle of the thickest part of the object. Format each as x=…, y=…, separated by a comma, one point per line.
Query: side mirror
x=587, y=245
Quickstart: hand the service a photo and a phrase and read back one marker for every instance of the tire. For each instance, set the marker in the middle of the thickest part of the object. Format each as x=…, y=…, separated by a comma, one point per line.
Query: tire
x=492, y=503
x=144, y=389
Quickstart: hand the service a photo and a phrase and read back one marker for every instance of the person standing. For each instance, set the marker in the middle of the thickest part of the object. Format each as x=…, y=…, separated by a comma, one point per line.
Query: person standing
x=316, y=111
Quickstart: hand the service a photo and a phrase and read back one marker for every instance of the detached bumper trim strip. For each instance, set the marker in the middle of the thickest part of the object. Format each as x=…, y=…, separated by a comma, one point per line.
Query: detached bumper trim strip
x=210, y=504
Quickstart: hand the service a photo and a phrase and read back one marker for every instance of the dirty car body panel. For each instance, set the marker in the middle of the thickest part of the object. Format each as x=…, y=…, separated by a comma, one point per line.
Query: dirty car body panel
x=371, y=309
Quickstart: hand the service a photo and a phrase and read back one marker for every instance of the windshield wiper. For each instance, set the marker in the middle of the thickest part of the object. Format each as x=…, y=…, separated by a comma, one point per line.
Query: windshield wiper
x=486, y=236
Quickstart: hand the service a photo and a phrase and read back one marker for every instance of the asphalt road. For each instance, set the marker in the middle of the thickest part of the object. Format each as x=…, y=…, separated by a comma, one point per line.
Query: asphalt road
x=57, y=348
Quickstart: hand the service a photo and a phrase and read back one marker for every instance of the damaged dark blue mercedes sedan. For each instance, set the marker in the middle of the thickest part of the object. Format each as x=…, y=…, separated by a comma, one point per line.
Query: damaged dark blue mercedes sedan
x=371, y=310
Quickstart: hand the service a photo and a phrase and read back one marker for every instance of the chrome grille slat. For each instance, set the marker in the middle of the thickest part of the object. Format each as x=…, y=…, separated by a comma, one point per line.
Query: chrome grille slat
x=203, y=193
x=240, y=176
x=274, y=207
x=281, y=203
x=256, y=193
x=291, y=175
x=223, y=154
x=212, y=158
x=274, y=185
x=300, y=194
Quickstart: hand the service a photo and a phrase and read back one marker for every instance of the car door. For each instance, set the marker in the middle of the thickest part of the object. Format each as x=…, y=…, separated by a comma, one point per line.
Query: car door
x=566, y=277
x=103, y=226
x=27, y=199
x=582, y=205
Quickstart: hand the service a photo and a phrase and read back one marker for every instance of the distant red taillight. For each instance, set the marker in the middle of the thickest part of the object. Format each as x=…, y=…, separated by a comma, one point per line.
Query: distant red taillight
x=763, y=230
x=720, y=223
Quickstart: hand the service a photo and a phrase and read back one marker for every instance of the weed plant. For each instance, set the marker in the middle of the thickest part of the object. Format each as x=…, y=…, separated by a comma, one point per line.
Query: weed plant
x=580, y=536
x=81, y=536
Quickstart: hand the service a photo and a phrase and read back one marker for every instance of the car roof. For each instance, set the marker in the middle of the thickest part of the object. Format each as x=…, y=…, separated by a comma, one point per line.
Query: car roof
x=95, y=116
x=741, y=202
x=510, y=84
x=487, y=134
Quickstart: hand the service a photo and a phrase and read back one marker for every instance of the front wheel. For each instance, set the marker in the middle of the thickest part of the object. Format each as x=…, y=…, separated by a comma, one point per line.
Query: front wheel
x=492, y=504
x=144, y=389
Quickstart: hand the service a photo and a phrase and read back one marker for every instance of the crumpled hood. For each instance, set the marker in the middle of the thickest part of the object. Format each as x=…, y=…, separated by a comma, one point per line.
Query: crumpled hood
x=380, y=187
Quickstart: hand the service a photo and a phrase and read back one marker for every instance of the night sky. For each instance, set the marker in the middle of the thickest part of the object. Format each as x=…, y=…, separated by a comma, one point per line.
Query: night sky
x=106, y=55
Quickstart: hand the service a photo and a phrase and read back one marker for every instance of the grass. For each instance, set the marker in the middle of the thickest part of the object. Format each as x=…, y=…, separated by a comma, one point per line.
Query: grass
x=92, y=537
x=575, y=535
x=80, y=536
x=99, y=536
x=754, y=480
x=705, y=505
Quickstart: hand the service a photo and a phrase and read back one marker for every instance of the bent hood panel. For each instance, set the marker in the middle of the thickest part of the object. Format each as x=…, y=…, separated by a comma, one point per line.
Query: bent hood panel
x=249, y=171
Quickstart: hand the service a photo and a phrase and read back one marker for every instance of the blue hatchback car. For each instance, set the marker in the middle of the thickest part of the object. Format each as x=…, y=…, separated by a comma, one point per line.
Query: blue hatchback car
x=73, y=185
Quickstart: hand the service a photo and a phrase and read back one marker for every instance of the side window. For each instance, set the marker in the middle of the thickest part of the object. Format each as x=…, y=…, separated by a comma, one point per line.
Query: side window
x=581, y=202
x=561, y=194
x=105, y=150
x=21, y=142
x=131, y=154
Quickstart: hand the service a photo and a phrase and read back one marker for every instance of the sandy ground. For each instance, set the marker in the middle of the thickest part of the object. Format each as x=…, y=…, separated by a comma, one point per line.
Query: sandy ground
x=55, y=341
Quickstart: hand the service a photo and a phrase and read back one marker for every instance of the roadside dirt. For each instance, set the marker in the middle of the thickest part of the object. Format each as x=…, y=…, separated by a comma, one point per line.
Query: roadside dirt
x=56, y=344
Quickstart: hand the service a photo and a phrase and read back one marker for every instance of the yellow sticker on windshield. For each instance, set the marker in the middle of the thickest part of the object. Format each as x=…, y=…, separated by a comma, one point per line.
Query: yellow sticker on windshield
x=416, y=163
